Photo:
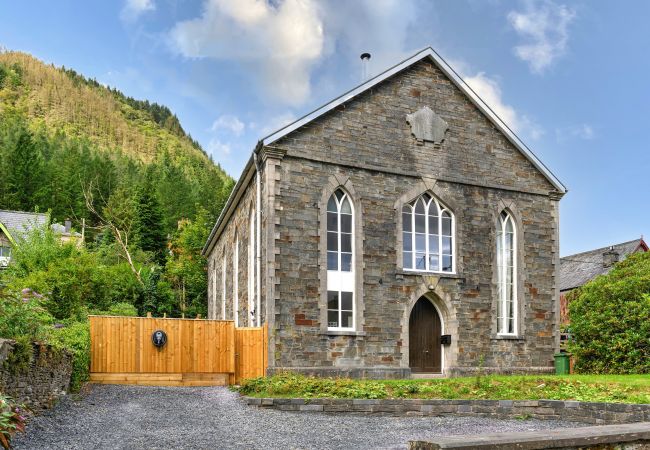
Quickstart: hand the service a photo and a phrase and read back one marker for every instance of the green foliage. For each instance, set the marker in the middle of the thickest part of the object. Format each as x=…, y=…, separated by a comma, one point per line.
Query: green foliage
x=610, y=319
x=149, y=227
x=581, y=388
x=24, y=317
x=12, y=420
x=75, y=337
x=121, y=309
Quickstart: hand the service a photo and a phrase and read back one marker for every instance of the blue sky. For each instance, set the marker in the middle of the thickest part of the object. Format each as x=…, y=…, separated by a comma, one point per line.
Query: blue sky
x=570, y=77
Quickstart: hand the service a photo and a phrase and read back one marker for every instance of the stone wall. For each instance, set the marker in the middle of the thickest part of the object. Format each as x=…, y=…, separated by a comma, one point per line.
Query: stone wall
x=47, y=378
x=582, y=412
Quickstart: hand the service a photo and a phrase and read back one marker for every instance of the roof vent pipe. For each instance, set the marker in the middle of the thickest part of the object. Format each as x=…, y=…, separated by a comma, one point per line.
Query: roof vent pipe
x=365, y=58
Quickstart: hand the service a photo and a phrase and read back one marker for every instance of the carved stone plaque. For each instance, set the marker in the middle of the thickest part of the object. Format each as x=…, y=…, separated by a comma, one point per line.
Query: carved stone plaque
x=426, y=125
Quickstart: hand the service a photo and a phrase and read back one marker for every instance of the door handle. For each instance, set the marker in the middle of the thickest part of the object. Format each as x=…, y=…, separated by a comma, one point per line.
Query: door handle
x=426, y=351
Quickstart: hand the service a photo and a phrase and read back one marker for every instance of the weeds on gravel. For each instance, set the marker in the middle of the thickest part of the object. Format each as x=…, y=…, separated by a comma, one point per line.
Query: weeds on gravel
x=635, y=389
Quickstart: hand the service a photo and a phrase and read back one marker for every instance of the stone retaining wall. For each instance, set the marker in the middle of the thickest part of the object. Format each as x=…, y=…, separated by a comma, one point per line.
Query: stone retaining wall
x=38, y=387
x=582, y=412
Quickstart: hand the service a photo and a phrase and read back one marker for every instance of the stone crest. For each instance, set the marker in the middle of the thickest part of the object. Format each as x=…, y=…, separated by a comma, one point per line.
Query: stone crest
x=426, y=125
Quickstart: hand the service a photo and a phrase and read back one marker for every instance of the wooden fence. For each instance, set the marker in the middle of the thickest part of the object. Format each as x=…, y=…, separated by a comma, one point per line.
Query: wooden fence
x=197, y=352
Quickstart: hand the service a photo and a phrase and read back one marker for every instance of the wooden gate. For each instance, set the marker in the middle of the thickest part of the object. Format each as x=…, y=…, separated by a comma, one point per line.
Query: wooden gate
x=197, y=352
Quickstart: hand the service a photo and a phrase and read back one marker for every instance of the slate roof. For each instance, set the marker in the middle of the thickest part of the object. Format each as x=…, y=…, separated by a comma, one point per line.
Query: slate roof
x=578, y=269
x=19, y=223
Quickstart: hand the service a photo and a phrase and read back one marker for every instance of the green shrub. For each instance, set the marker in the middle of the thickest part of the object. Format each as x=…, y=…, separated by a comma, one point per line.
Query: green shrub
x=610, y=320
x=121, y=309
x=12, y=420
x=24, y=317
x=76, y=338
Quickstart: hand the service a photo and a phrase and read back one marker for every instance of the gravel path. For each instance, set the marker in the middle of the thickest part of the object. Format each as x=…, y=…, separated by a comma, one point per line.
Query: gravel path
x=134, y=417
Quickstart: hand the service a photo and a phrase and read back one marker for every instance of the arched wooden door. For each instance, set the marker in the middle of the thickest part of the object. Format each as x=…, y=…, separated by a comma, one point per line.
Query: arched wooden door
x=425, y=351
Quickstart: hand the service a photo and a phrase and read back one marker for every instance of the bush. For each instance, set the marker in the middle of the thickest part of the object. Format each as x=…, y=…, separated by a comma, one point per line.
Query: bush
x=11, y=420
x=76, y=338
x=610, y=319
x=122, y=309
x=24, y=316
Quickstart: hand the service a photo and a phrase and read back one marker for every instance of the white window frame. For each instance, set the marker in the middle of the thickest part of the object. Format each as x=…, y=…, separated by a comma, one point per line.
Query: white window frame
x=235, y=283
x=441, y=208
x=214, y=289
x=502, y=291
x=252, y=314
x=223, y=285
x=338, y=280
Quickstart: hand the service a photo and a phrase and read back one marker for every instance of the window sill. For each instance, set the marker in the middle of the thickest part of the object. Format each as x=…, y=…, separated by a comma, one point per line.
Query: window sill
x=343, y=333
x=507, y=337
x=432, y=274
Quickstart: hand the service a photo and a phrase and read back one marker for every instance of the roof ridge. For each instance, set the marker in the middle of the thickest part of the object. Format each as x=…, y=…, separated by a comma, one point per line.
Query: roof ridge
x=23, y=212
x=600, y=248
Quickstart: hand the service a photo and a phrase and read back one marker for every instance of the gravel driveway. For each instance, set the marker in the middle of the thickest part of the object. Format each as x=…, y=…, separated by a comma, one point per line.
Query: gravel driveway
x=136, y=417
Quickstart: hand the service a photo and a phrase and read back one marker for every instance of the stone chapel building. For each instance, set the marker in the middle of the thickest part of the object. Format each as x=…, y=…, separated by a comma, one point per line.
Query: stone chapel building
x=401, y=228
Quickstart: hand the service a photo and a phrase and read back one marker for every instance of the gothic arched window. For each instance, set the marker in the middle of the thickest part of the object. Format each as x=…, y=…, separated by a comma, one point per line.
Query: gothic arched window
x=427, y=235
x=506, y=275
x=340, y=262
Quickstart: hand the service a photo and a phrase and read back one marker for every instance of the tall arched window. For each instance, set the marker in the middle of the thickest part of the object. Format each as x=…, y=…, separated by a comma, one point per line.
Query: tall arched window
x=340, y=262
x=507, y=280
x=251, y=270
x=427, y=235
x=235, y=280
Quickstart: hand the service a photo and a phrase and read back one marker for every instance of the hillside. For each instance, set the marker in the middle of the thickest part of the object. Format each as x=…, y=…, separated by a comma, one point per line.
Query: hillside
x=60, y=131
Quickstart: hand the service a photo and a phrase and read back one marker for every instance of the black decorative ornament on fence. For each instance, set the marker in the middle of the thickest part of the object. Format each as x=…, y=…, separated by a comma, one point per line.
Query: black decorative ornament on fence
x=159, y=338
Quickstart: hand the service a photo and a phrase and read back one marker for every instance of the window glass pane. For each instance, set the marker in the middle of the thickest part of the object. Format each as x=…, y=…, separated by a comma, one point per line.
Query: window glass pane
x=331, y=204
x=339, y=194
x=419, y=207
x=346, y=301
x=509, y=241
x=345, y=207
x=446, y=263
x=332, y=319
x=446, y=245
x=446, y=226
x=419, y=223
x=346, y=223
x=433, y=224
x=433, y=262
x=346, y=318
x=407, y=241
x=406, y=209
x=420, y=260
x=408, y=260
x=346, y=262
x=406, y=221
x=332, y=241
x=433, y=243
x=332, y=300
x=509, y=226
x=420, y=243
x=346, y=242
x=426, y=197
x=332, y=223
x=332, y=261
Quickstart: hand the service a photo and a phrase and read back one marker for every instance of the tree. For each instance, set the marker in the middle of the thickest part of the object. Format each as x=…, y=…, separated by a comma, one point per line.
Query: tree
x=149, y=228
x=610, y=319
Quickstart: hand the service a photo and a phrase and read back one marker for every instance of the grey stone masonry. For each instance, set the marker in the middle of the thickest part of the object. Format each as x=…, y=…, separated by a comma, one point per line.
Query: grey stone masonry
x=46, y=379
x=581, y=412
x=366, y=148
x=627, y=436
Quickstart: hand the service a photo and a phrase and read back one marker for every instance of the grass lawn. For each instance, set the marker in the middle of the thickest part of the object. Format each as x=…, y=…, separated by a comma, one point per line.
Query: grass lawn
x=587, y=388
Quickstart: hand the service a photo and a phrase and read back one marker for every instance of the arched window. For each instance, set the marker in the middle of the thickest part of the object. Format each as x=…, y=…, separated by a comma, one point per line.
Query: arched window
x=340, y=262
x=427, y=235
x=507, y=280
x=235, y=280
x=251, y=270
x=223, y=284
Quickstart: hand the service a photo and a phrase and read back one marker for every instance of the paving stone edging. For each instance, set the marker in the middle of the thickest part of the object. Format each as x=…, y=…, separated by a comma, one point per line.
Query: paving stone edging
x=582, y=412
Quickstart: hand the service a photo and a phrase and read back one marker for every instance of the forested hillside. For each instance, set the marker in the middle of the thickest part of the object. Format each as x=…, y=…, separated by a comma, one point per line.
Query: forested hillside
x=60, y=131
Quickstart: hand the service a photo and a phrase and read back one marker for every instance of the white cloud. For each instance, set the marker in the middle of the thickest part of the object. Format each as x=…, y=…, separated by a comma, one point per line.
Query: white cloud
x=230, y=123
x=489, y=91
x=219, y=149
x=582, y=131
x=545, y=27
x=134, y=8
x=279, y=42
x=273, y=124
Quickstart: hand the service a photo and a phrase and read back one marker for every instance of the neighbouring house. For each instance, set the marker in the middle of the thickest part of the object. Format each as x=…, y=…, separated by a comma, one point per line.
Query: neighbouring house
x=401, y=228
x=17, y=224
x=577, y=270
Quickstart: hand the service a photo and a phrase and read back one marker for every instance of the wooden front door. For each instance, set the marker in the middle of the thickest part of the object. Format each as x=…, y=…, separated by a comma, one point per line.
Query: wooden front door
x=425, y=351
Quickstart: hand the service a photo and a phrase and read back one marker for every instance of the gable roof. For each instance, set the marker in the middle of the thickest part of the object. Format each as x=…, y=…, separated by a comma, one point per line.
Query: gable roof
x=427, y=53
x=18, y=223
x=430, y=54
x=576, y=270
